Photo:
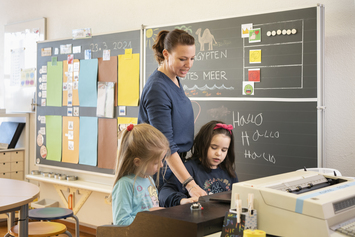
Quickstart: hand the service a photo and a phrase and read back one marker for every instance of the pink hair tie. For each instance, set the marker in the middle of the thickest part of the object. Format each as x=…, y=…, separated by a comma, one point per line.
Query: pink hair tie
x=130, y=127
x=225, y=126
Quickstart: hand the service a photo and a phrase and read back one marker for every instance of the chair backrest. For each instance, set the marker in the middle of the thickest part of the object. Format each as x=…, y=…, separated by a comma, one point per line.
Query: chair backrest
x=107, y=230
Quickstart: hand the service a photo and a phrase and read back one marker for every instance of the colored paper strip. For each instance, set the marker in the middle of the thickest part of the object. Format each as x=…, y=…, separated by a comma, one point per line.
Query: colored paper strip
x=54, y=84
x=88, y=141
x=54, y=137
x=88, y=81
x=128, y=80
x=108, y=72
x=70, y=147
x=107, y=143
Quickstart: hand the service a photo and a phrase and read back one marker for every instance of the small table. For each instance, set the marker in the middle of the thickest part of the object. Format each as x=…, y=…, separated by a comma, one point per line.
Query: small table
x=15, y=195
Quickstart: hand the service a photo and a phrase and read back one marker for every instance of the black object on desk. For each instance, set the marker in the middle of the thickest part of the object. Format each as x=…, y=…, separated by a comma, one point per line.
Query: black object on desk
x=173, y=222
x=10, y=133
x=224, y=197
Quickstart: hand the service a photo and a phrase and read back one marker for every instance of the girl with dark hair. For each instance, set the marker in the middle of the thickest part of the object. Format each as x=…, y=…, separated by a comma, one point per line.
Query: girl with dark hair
x=164, y=105
x=211, y=165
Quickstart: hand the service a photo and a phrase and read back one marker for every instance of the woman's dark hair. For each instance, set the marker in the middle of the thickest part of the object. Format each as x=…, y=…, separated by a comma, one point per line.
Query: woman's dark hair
x=203, y=141
x=169, y=40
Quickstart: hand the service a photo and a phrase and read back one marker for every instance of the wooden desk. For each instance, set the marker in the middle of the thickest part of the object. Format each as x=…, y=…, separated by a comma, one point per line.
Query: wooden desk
x=15, y=195
x=173, y=222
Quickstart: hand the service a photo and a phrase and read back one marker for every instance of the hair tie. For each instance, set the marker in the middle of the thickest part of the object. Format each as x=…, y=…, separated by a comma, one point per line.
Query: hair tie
x=130, y=127
x=225, y=126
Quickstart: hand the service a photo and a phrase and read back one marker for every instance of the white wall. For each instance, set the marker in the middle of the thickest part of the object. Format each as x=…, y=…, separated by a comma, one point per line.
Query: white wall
x=108, y=16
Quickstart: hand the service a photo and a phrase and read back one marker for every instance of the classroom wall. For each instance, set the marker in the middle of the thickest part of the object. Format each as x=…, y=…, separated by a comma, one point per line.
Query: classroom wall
x=108, y=16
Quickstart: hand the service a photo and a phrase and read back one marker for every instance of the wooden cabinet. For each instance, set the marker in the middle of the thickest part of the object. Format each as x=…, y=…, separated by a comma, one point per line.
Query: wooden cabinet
x=12, y=164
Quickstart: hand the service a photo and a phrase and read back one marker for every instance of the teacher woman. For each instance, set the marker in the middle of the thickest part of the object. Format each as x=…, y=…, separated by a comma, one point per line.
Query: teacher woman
x=165, y=106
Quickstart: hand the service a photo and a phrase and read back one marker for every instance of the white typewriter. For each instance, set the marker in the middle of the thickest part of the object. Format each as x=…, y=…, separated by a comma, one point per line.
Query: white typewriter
x=302, y=203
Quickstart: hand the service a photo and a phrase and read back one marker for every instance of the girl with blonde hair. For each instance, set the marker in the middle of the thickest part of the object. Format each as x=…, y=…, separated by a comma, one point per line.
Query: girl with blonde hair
x=142, y=151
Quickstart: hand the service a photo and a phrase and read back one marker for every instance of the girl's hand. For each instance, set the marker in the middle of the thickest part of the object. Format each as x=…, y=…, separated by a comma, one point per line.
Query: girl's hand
x=188, y=200
x=195, y=190
x=156, y=208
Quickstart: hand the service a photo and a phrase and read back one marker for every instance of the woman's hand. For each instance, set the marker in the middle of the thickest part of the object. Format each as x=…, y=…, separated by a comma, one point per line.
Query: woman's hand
x=188, y=200
x=181, y=173
x=195, y=190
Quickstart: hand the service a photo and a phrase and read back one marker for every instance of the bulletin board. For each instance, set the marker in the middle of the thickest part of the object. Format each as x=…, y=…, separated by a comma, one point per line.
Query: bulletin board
x=264, y=75
x=87, y=90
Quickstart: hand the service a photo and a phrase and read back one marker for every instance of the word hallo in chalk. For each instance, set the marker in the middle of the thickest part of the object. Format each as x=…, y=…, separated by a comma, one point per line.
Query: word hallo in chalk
x=253, y=155
x=241, y=120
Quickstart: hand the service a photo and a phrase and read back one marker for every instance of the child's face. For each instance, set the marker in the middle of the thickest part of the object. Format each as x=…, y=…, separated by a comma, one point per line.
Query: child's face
x=218, y=150
x=154, y=166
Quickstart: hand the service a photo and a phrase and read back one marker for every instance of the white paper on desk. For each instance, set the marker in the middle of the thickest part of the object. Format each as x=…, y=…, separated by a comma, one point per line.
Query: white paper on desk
x=105, y=99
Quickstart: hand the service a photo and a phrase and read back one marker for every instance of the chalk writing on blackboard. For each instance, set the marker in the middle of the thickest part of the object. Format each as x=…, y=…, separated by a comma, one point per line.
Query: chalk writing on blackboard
x=206, y=87
x=199, y=110
x=264, y=155
x=185, y=28
x=242, y=120
x=115, y=46
x=257, y=120
x=266, y=134
x=211, y=55
x=210, y=75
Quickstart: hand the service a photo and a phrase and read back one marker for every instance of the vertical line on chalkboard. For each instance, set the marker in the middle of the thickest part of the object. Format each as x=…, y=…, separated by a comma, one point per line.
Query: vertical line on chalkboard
x=142, y=60
x=302, y=53
x=244, y=58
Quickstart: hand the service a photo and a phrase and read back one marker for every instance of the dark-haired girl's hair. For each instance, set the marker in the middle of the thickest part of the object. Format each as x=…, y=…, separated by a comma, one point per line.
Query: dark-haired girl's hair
x=169, y=40
x=203, y=141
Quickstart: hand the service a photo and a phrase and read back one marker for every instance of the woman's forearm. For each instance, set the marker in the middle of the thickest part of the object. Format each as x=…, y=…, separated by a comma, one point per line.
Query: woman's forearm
x=177, y=167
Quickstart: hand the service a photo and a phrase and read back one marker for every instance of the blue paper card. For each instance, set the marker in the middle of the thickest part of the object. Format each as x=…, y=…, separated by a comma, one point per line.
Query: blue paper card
x=88, y=141
x=88, y=83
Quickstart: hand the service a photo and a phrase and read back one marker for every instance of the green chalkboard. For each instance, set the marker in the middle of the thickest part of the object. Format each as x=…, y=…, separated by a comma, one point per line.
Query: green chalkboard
x=272, y=76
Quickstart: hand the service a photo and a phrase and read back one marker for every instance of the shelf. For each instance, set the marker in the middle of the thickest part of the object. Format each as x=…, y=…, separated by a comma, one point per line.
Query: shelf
x=10, y=150
x=102, y=188
x=14, y=115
